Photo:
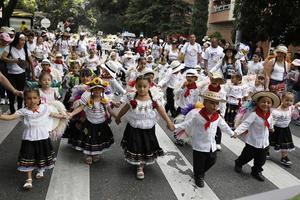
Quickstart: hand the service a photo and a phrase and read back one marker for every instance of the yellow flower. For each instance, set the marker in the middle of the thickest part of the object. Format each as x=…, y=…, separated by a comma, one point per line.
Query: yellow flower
x=104, y=101
x=105, y=83
x=199, y=105
x=90, y=103
x=97, y=81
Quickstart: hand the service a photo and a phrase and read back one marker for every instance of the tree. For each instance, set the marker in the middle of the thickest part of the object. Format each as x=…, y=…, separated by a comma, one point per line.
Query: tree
x=109, y=15
x=277, y=20
x=199, y=19
x=155, y=17
x=7, y=9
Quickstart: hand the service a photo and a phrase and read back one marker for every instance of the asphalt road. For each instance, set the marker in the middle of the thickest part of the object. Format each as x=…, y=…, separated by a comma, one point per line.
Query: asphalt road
x=113, y=179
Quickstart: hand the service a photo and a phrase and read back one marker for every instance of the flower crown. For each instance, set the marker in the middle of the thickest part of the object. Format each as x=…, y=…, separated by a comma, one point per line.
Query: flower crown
x=98, y=82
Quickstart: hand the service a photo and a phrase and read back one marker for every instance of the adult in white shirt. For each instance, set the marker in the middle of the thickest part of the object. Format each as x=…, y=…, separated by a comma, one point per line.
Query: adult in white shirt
x=63, y=45
x=192, y=52
x=15, y=56
x=212, y=55
x=81, y=45
x=155, y=49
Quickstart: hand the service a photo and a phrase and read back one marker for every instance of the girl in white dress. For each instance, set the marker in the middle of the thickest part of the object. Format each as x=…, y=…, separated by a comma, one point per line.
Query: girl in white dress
x=47, y=93
x=36, y=149
x=139, y=141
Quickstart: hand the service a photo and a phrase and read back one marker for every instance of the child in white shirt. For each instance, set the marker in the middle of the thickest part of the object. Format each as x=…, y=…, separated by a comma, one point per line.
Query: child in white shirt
x=203, y=130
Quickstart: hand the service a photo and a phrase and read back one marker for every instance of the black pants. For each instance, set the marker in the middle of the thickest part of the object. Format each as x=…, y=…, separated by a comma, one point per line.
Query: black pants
x=18, y=81
x=250, y=152
x=203, y=161
x=170, y=102
x=218, y=136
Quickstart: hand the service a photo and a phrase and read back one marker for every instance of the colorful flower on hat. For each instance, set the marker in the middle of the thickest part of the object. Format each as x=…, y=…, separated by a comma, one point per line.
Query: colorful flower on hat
x=96, y=81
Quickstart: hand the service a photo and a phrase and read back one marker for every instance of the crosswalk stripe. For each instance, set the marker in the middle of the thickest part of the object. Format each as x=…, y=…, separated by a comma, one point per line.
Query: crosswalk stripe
x=179, y=172
x=70, y=178
x=296, y=141
x=277, y=175
x=6, y=127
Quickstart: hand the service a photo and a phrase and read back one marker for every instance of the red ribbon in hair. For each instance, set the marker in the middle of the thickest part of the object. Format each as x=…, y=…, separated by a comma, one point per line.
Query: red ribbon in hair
x=264, y=116
x=188, y=88
x=214, y=89
x=210, y=119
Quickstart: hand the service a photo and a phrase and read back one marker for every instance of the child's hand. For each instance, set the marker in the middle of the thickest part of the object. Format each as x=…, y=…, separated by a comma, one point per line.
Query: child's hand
x=69, y=115
x=116, y=104
x=234, y=135
x=118, y=120
x=171, y=126
x=271, y=130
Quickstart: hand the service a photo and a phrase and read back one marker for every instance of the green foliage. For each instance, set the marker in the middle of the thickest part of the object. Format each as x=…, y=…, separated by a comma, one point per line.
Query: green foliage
x=199, y=20
x=277, y=20
x=155, y=17
x=217, y=35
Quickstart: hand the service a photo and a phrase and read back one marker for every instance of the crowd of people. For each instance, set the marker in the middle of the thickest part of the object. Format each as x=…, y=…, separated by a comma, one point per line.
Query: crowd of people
x=199, y=90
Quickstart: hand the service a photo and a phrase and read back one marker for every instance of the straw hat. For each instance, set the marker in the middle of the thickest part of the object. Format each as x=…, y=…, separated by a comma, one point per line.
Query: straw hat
x=58, y=55
x=46, y=61
x=213, y=96
x=176, y=66
x=148, y=71
x=296, y=62
x=275, y=98
x=128, y=54
x=191, y=72
x=281, y=49
x=217, y=75
x=111, y=67
x=98, y=83
x=6, y=29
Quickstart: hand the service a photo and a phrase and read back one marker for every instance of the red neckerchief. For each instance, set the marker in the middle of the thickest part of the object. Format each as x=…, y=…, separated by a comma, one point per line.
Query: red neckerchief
x=212, y=118
x=188, y=88
x=47, y=70
x=214, y=89
x=264, y=116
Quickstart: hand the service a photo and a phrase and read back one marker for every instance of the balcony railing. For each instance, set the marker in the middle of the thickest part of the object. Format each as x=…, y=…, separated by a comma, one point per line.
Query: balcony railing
x=220, y=8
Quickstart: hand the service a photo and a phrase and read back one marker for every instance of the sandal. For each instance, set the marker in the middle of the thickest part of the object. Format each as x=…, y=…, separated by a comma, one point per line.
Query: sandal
x=28, y=184
x=88, y=160
x=96, y=158
x=39, y=175
x=140, y=173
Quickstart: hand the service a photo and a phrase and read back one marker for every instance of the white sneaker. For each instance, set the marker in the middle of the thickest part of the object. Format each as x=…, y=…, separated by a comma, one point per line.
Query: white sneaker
x=219, y=147
x=2, y=101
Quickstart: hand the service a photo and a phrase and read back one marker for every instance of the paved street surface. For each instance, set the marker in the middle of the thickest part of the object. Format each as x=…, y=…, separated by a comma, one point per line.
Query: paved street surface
x=113, y=179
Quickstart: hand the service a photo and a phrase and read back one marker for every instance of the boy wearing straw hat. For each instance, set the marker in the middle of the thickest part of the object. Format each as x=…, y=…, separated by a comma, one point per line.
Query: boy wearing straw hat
x=255, y=130
x=203, y=130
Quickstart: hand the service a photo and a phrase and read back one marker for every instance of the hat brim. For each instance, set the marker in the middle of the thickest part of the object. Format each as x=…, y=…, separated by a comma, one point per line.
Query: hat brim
x=109, y=71
x=177, y=69
x=97, y=86
x=213, y=99
x=280, y=51
x=275, y=98
x=297, y=64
